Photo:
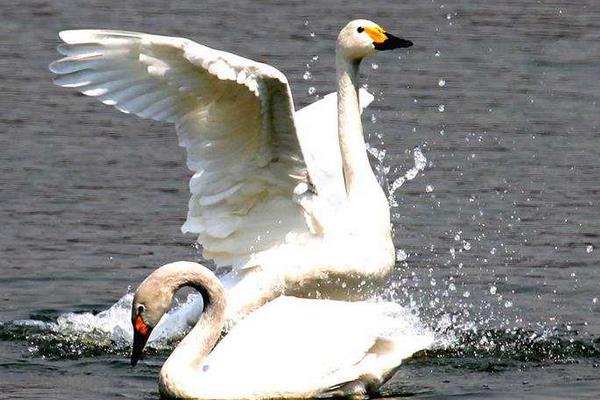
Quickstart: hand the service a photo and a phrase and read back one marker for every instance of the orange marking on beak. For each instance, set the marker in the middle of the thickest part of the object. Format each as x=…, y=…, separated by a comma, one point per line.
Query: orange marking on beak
x=140, y=326
x=377, y=34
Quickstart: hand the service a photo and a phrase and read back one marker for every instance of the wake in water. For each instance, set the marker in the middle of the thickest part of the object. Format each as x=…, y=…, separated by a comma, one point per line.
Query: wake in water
x=76, y=335
x=109, y=332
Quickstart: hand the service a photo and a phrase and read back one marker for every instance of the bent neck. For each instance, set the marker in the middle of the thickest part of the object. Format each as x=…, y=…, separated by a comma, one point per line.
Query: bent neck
x=355, y=162
x=192, y=351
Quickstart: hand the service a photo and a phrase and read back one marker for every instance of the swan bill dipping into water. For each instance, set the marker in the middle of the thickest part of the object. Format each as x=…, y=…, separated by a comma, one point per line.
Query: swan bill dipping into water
x=289, y=348
x=253, y=158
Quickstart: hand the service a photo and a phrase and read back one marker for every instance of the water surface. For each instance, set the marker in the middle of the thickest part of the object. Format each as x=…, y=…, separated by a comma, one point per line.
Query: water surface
x=502, y=228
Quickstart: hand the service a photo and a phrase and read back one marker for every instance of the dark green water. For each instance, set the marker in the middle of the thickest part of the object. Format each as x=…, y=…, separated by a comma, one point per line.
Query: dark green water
x=502, y=229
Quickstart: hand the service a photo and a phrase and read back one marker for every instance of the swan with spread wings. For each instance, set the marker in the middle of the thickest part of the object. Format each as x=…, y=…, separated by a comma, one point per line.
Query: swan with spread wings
x=287, y=199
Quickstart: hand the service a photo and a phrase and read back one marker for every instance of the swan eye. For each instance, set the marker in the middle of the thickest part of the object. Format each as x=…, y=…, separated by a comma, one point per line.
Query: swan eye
x=360, y=29
x=140, y=309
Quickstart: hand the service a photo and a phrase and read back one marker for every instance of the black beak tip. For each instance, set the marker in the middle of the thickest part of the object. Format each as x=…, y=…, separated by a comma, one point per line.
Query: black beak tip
x=136, y=355
x=392, y=42
x=137, y=351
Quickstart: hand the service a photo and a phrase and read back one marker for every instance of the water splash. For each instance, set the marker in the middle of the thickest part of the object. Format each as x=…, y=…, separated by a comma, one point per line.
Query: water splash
x=108, y=332
x=457, y=336
x=514, y=345
x=420, y=164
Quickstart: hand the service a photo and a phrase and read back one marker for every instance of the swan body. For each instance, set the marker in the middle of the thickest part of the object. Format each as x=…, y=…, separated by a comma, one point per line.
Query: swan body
x=285, y=199
x=289, y=348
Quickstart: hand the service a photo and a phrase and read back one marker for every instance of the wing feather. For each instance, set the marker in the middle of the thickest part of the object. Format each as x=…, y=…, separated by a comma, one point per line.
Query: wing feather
x=234, y=117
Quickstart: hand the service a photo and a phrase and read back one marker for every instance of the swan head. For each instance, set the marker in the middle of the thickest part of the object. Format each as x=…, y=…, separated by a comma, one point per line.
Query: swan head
x=154, y=296
x=362, y=38
x=151, y=301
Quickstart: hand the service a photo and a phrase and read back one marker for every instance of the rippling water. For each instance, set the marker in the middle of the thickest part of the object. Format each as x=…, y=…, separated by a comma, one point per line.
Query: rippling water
x=501, y=229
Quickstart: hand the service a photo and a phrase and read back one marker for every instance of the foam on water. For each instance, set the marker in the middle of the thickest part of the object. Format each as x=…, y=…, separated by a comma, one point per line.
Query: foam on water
x=76, y=335
x=116, y=321
x=114, y=324
x=451, y=337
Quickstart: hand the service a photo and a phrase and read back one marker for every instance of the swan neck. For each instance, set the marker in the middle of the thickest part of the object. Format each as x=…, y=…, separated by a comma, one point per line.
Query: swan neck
x=192, y=351
x=355, y=162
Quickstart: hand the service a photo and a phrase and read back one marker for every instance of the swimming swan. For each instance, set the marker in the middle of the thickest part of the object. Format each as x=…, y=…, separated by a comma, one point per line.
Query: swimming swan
x=288, y=348
x=287, y=199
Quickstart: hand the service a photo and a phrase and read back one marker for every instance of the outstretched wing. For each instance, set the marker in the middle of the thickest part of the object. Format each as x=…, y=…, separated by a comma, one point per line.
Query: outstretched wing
x=234, y=116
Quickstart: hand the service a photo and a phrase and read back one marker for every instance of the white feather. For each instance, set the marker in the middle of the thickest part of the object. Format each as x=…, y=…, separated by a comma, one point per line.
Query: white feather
x=249, y=151
x=323, y=342
x=222, y=106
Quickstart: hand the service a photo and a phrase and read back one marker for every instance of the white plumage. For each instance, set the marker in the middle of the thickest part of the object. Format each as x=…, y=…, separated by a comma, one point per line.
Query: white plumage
x=234, y=117
x=293, y=347
x=288, y=348
x=251, y=201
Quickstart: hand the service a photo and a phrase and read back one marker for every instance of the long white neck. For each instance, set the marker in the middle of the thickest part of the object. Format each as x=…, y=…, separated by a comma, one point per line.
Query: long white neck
x=182, y=367
x=357, y=171
x=367, y=208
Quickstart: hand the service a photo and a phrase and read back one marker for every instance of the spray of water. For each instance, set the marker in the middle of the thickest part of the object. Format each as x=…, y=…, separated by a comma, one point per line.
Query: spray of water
x=108, y=332
x=420, y=162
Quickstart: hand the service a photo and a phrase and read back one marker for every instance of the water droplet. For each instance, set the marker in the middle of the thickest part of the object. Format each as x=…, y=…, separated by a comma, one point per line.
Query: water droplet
x=441, y=83
x=493, y=251
x=493, y=289
x=595, y=300
x=466, y=245
x=307, y=75
x=508, y=304
x=429, y=188
x=441, y=108
x=373, y=118
x=451, y=287
x=401, y=255
x=466, y=294
x=448, y=16
x=315, y=58
x=432, y=282
x=437, y=53
x=374, y=66
x=312, y=34
x=311, y=90
x=589, y=248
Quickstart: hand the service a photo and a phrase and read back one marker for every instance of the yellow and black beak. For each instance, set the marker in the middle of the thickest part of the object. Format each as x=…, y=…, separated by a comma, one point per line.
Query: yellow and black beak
x=141, y=333
x=383, y=40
